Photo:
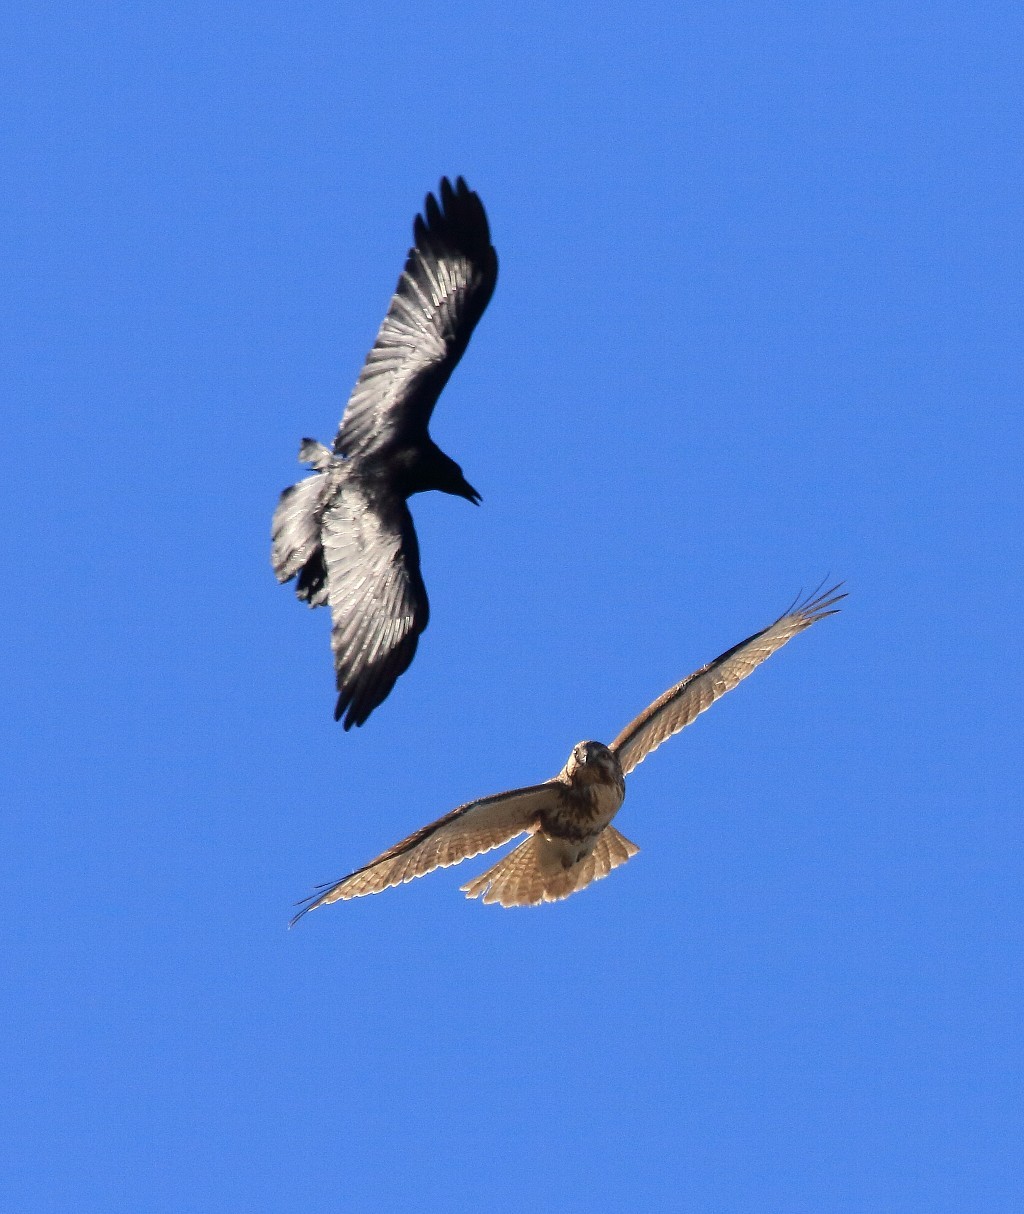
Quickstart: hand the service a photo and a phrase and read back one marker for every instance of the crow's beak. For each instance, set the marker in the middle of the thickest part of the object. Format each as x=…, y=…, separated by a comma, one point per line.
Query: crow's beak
x=471, y=495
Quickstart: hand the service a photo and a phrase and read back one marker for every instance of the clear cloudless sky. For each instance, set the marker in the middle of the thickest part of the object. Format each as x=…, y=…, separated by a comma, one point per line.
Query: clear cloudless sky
x=758, y=321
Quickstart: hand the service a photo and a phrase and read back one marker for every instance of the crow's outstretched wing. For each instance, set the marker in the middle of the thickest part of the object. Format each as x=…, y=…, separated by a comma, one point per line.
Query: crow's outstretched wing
x=682, y=703
x=448, y=279
x=376, y=594
x=465, y=832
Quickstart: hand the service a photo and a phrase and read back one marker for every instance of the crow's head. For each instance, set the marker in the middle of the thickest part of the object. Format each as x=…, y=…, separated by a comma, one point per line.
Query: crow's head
x=447, y=476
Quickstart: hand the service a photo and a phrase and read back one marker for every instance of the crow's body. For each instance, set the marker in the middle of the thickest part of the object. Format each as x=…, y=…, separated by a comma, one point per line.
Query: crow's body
x=345, y=533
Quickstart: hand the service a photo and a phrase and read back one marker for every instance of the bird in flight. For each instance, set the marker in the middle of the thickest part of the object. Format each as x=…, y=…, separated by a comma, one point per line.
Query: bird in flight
x=572, y=841
x=345, y=533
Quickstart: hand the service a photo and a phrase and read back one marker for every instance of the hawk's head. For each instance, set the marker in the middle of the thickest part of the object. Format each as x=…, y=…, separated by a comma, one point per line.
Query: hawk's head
x=592, y=761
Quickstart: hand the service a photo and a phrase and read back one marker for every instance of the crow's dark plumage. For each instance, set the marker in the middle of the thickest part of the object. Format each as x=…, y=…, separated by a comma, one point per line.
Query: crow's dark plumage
x=345, y=533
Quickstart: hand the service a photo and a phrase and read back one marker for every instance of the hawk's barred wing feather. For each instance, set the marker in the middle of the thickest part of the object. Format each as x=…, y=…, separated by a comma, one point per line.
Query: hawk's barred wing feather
x=467, y=831
x=683, y=703
x=447, y=282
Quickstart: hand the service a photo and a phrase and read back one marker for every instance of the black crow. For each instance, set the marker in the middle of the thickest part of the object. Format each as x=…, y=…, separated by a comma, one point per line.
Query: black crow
x=346, y=532
x=568, y=818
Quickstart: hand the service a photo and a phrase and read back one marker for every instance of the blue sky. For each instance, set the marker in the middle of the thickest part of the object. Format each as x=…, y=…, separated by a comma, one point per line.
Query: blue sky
x=757, y=321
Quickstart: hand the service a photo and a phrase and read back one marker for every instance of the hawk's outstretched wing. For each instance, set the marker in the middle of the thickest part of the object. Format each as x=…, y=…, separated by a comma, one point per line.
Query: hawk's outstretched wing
x=682, y=703
x=447, y=282
x=378, y=601
x=465, y=832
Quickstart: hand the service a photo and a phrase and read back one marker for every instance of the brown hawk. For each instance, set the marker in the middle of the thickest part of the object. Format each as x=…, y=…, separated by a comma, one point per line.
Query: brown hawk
x=568, y=818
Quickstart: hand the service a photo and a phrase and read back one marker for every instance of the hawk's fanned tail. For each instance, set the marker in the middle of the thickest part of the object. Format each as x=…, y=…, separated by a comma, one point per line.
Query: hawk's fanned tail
x=534, y=872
